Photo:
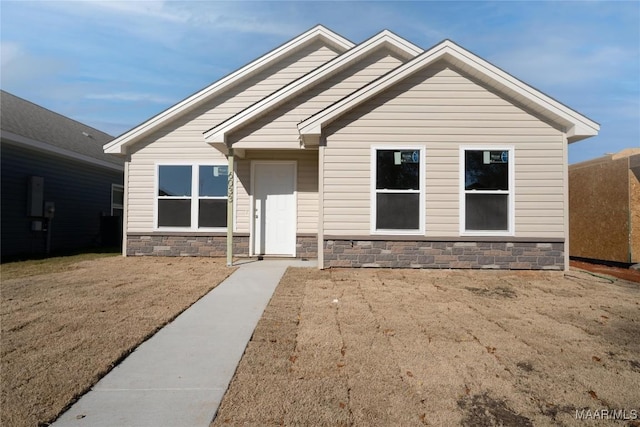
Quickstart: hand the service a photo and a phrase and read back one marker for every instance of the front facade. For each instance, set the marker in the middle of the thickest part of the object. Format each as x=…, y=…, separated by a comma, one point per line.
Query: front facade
x=376, y=155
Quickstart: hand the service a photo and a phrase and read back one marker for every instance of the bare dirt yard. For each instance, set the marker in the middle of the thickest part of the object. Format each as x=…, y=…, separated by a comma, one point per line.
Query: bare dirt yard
x=422, y=347
x=67, y=321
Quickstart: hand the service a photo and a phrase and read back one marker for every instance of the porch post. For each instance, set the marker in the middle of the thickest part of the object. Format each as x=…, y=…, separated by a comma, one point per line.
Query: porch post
x=230, y=210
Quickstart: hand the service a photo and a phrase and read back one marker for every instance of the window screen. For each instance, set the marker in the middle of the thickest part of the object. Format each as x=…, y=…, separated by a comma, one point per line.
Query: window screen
x=398, y=182
x=486, y=188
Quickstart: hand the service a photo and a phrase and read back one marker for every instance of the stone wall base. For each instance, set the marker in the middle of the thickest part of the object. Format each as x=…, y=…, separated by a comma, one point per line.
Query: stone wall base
x=206, y=246
x=424, y=254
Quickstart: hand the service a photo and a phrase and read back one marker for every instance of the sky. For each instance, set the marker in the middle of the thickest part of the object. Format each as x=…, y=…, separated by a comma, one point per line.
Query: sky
x=113, y=65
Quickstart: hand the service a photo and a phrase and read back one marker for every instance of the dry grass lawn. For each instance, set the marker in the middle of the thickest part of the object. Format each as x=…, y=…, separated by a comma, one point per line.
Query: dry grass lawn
x=421, y=347
x=67, y=321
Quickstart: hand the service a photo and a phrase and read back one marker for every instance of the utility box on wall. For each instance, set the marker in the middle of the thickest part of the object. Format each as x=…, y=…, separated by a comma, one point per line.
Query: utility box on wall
x=35, y=196
x=604, y=208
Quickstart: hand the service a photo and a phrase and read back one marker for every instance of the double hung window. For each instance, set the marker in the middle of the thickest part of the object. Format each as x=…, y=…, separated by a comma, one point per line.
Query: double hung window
x=487, y=199
x=398, y=190
x=192, y=196
x=117, y=200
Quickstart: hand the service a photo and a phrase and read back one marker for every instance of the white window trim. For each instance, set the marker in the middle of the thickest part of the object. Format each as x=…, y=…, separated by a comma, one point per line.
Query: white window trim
x=511, y=192
x=373, y=191
x=113, y=206
x=195, y=197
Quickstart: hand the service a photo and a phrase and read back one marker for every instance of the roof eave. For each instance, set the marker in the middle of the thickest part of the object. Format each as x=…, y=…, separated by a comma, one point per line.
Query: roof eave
x=579, y=127
x=119, y=144
x=383, y=39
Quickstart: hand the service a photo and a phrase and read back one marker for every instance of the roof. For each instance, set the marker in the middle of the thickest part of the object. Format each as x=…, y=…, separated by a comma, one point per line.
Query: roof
x=575, y=124
x=385, y=38
x=134, y=135
x=633, y=154
x=25, y=123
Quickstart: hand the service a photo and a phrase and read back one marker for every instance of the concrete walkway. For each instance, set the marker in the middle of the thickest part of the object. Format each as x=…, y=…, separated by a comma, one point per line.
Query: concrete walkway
x=179, y=376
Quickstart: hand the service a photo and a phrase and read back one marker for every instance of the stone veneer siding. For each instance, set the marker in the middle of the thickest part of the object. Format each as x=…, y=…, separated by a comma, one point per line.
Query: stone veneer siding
x=206, y=246
x=425, y=254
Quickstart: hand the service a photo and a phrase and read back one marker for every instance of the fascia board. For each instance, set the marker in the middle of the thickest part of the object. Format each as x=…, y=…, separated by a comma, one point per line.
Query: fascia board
x=314, y=124
x=448, y=48
x=19, y=140
x=218, y=133
x=117, y=146
x=508, y=81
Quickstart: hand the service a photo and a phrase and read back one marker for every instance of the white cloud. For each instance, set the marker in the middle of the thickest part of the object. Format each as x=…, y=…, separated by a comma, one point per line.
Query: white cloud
x=131, y=97
x=557, y=61
x=21, y=67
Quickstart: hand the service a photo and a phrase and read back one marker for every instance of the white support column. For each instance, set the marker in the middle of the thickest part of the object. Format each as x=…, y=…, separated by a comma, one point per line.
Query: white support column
x=230, y=196
x=125, y=205
x=321, y=207
x=565, y=190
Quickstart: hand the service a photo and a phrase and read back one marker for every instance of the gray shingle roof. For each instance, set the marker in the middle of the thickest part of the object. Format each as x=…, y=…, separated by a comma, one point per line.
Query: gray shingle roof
x=32, y=121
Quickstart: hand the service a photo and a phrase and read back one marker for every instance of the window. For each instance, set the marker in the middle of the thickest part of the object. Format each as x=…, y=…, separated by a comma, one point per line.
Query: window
x=397, y=193
x=488, y=190
x=117, y=200
x=192, y=196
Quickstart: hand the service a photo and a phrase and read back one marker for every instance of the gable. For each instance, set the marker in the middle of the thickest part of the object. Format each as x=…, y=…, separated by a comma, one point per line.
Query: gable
x=441, y=103
x=257, y=70
x=184, y=133
x=386, y=40
x=575, y=125
x=277, y=128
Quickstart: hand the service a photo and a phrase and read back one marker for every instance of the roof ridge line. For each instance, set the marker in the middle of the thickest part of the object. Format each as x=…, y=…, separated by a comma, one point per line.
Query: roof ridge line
x=315, y=75
x=132, y=135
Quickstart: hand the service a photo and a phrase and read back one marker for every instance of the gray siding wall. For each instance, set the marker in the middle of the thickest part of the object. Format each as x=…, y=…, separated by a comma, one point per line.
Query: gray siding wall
x=81, y=193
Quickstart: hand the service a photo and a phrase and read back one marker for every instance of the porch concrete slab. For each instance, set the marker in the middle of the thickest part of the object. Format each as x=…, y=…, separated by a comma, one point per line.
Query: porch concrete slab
x=179, y=376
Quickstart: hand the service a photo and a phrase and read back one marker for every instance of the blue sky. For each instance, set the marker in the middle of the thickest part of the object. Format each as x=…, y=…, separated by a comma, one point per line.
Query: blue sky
x=113, y=65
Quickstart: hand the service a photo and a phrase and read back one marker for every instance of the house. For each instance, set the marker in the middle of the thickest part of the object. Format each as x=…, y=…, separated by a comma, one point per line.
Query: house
x=376, y=154
x=59, y=188
x=604, y=208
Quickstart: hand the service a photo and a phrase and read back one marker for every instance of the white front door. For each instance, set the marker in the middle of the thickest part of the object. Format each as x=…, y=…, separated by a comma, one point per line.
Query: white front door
x=274, y=207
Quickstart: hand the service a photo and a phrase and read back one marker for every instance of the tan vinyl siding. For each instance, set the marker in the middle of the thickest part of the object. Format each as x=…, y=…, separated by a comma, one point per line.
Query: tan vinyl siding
x=441, y=108
x=279, y=126
x=182, y=140
x=306, y=187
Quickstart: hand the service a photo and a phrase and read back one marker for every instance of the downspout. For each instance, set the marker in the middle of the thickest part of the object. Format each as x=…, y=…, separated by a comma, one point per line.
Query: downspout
x=230, y=189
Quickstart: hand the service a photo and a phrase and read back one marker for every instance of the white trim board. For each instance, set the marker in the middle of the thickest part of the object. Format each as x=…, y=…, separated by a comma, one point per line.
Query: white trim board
x=511, y=194
x=218, y=134
x=118, y=145
x=576, y=125
x=421, y=191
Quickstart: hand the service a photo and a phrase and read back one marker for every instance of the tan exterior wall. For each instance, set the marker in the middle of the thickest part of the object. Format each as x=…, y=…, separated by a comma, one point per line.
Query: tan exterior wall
x=279, y=126
x=634, y=206
x=603, y=199
x=442, y=108
x=182, y=140
x=306, y=187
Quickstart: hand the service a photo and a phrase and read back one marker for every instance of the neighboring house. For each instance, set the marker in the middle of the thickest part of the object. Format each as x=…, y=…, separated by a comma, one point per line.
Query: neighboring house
x=57, y=183
x=376, y=154
x=604, y=207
